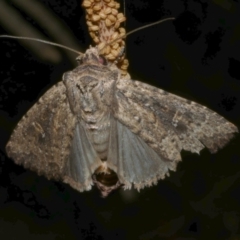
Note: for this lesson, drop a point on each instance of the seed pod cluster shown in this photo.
(104, 24)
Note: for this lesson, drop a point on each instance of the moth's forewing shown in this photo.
(169, 123)
(48, 140)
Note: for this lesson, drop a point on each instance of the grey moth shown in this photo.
(95, 127)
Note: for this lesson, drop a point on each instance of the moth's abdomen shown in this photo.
(99, 136)
(106, 180)
(100, 139)
(107, 177)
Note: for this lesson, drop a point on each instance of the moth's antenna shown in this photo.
(124, 48)
(148, 25)
(137, 29)
(42, 41)
(124, 8)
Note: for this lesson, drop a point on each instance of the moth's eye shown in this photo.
(79, 60)
(102, 60)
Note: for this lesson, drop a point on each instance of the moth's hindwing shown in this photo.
(83, 161)
(133, 160)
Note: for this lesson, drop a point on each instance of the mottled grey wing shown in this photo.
(45, 140)
(166, 124)
(83, 161)
(132, 159)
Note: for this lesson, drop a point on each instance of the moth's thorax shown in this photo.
(89, 90)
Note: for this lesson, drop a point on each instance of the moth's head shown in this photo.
(92, 56)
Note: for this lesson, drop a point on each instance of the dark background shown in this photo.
(196, 57)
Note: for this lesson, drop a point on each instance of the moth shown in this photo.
(95, 127)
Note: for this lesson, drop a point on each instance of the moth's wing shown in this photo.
(132, 159)
(83, 161)
(167, 124)
(45, 141)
